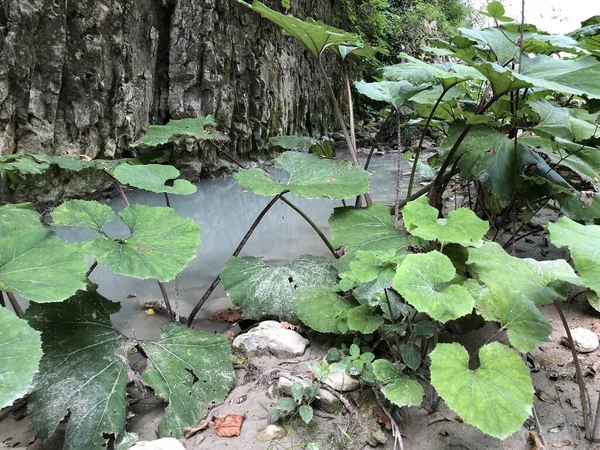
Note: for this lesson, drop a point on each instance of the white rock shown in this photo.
(285, 385)
(159, 444)
(342, 382)
(328, 402)
(271, 433)
(585, 340)
(271, 337)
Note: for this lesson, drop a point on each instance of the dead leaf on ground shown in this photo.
(132, 295)
(191, 431)
(289, 326)
(534, 440)
(229, 315)
(545, 396)
(382, 418)
(561, 444)
(229, 426)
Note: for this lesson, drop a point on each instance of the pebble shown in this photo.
(270, 337)
(271, 433)
(328, 402)
(585, 340)
(342, 382)
(159, 444)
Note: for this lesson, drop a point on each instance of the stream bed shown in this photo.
(224, 211)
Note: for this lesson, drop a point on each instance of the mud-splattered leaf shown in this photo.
(364, 319)
(310, 176)
(369, 228)
(263, 290)
(496, 398)
(540, 281)
(83, 214)
(154, 178)
(321, 309)
(190, 369)
(197, 128)
(424, 282)
(527, 327)
(20, 353)
(404, 392)
(461, 227)
(583, 242)
(36, 264)
(396, 93)
(160, 244)
(16, 217)
(306, 413)
(83, 371)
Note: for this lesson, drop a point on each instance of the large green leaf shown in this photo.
(527, 327)
(36, 264)
(570, 76)
(16, 217)
(563, 122)
(321, 309)
(364, 319)
(175, 129)
(424, 282)
(84, 214)
(189, 369)
(20, 353)
(316, 36)
(502, 43)
(398, 389)
(160, 243)
(369, 228)
(539, 281)
(461, 227)
(396, 93)
(83, 373)
(496, 398)
(310, 177)
(263, 290)
(153, 178)
(583, 242)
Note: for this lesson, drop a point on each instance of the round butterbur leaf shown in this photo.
(154, 178)
(496, 398)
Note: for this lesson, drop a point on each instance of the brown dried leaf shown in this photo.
(533, 439)
(289, 326)
(191, 431)
(229, 315)
(229, 426)
(545, 396)
(561, 444)
(382, 418)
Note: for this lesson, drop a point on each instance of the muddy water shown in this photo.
(224, 212)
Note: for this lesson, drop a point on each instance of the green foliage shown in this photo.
(396, 93)
(583, 242)
(198, 128)
(496, 397)
(316, 146)
(303, 394)
(310, 177)
(398, 389)
(263, 290)
(190, 370)
(80, 346)
(160, 243)
(461, 227)
(322, 309)
(20, 352)
(153, 178)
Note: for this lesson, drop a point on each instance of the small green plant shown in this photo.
(304, 393)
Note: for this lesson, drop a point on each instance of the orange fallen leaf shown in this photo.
(191, 431)
(288, 326)
(561, 444)
(228, 426)
(382, 418)
(229, 315)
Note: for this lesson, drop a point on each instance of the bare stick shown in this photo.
(579, 376)
(350, 102)
(119, 187)
(237, 251)
(167, 201)
(91, 269)
(395, 428)
(595, 431)
(368, 161)
(15, 305)
(165, 296)
(312, 224)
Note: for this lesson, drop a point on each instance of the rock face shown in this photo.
(89, 76)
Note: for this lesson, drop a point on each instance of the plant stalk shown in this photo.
(165, 296)
(421, 141)
(398, 172)
(15, 305)
(2, 301)
(237, 251)
(582, 390)
(119, 187)
(312, 224)
(350, 102)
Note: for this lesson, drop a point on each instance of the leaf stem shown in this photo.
(582, 390)
(91, 269)
(237, 251)
(15, 305)
(119, 187)
(421, 141)
(312, 224)
(167, 200)
(165, 296)
(2, 301)
(399, 173)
